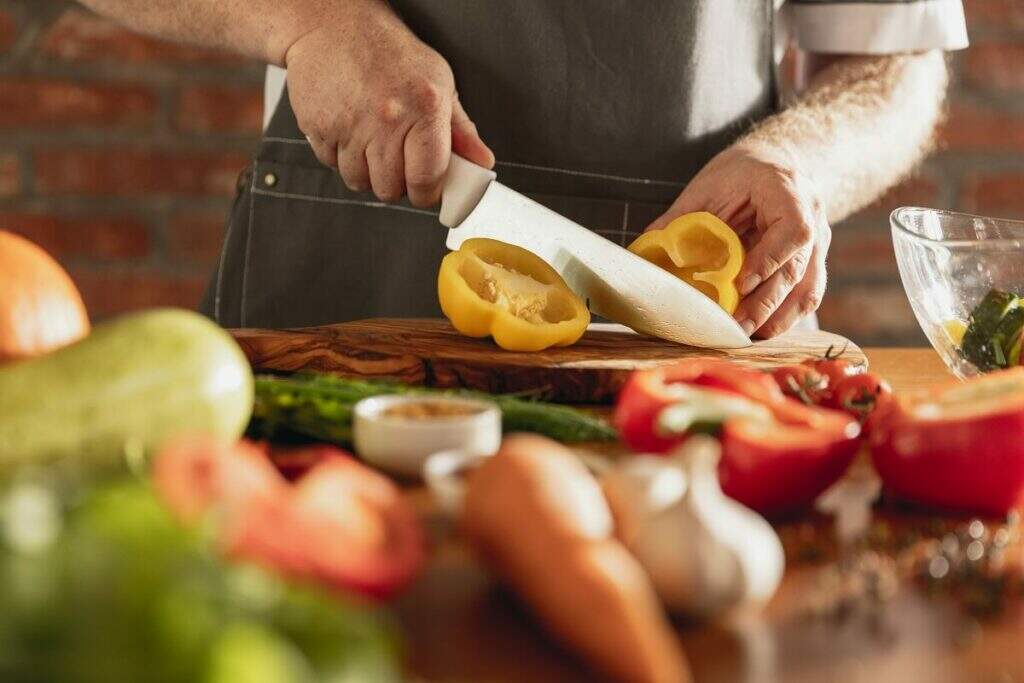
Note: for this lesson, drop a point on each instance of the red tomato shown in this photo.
(341, 524)
(802, 382)
(295, 462)
(196, 473)
(344, 525)
(859, 395)
(959, 448)
(833, 367)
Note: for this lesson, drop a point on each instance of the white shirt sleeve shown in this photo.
(874, 27)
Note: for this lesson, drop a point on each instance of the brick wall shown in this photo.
(119, 154)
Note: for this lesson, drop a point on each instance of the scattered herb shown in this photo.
(972, 563)
(859, 583)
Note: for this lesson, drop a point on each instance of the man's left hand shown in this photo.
(775, 209)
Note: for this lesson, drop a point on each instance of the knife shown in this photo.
(616, 283)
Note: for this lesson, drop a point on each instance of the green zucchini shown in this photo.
(993, 330)
(127, 387)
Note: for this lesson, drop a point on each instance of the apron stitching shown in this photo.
(532, 167)
(220, 272)
(588, 174)
(248, 244)
(625, 220)
(288, 141)
(332, 200)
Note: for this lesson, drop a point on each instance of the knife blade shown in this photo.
(616, 283)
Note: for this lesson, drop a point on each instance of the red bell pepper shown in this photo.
(961, 447)
(648, 392)
(775, 467)
(777, 453)
(344, 525)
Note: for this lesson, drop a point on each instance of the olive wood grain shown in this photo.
(431, 352)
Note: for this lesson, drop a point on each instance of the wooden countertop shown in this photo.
(460, 627)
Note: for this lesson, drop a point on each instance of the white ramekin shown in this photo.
(401, 444)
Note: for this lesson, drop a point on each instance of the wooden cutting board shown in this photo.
(431, 352)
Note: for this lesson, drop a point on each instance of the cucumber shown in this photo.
(1006, 337)
(125, 389)
(993, 330)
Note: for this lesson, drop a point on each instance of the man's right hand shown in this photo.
(380, 105)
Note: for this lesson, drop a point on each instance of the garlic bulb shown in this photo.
(639, 488)
(705, 553)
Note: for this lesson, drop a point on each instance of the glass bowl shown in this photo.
(948, 262)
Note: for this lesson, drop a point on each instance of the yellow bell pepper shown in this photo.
(955, 330)
(490, 288)
(700, 250)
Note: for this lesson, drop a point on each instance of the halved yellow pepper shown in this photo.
(700, 250)
(490, 288)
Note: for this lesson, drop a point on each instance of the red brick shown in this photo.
(108, 292)
(995, 65)
(74, 237)
(995, 13)
(994, 194)
(914, 191)
(196, 238)
(32, 102)
(974, 129)
(10, 175)
(212, 109)
(132, 172)
(870, 314)
(8, 31)
(859, 252)
(81, 36)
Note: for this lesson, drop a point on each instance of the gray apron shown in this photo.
(600, 109)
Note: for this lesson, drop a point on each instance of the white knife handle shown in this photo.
(463, 187)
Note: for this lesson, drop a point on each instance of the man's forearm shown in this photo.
(262, 29)
(861, 126)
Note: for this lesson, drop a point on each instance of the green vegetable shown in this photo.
(320, 406)
(123, 593)
(992, 339)
(125, 388)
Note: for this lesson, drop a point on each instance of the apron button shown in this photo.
(270, 180)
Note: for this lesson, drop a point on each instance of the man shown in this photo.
(618, 114)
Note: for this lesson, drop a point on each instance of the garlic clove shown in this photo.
(692, 573)
(639, 488)
(704, 552)
(734, 527)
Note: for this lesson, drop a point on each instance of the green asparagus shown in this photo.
(320, 406)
